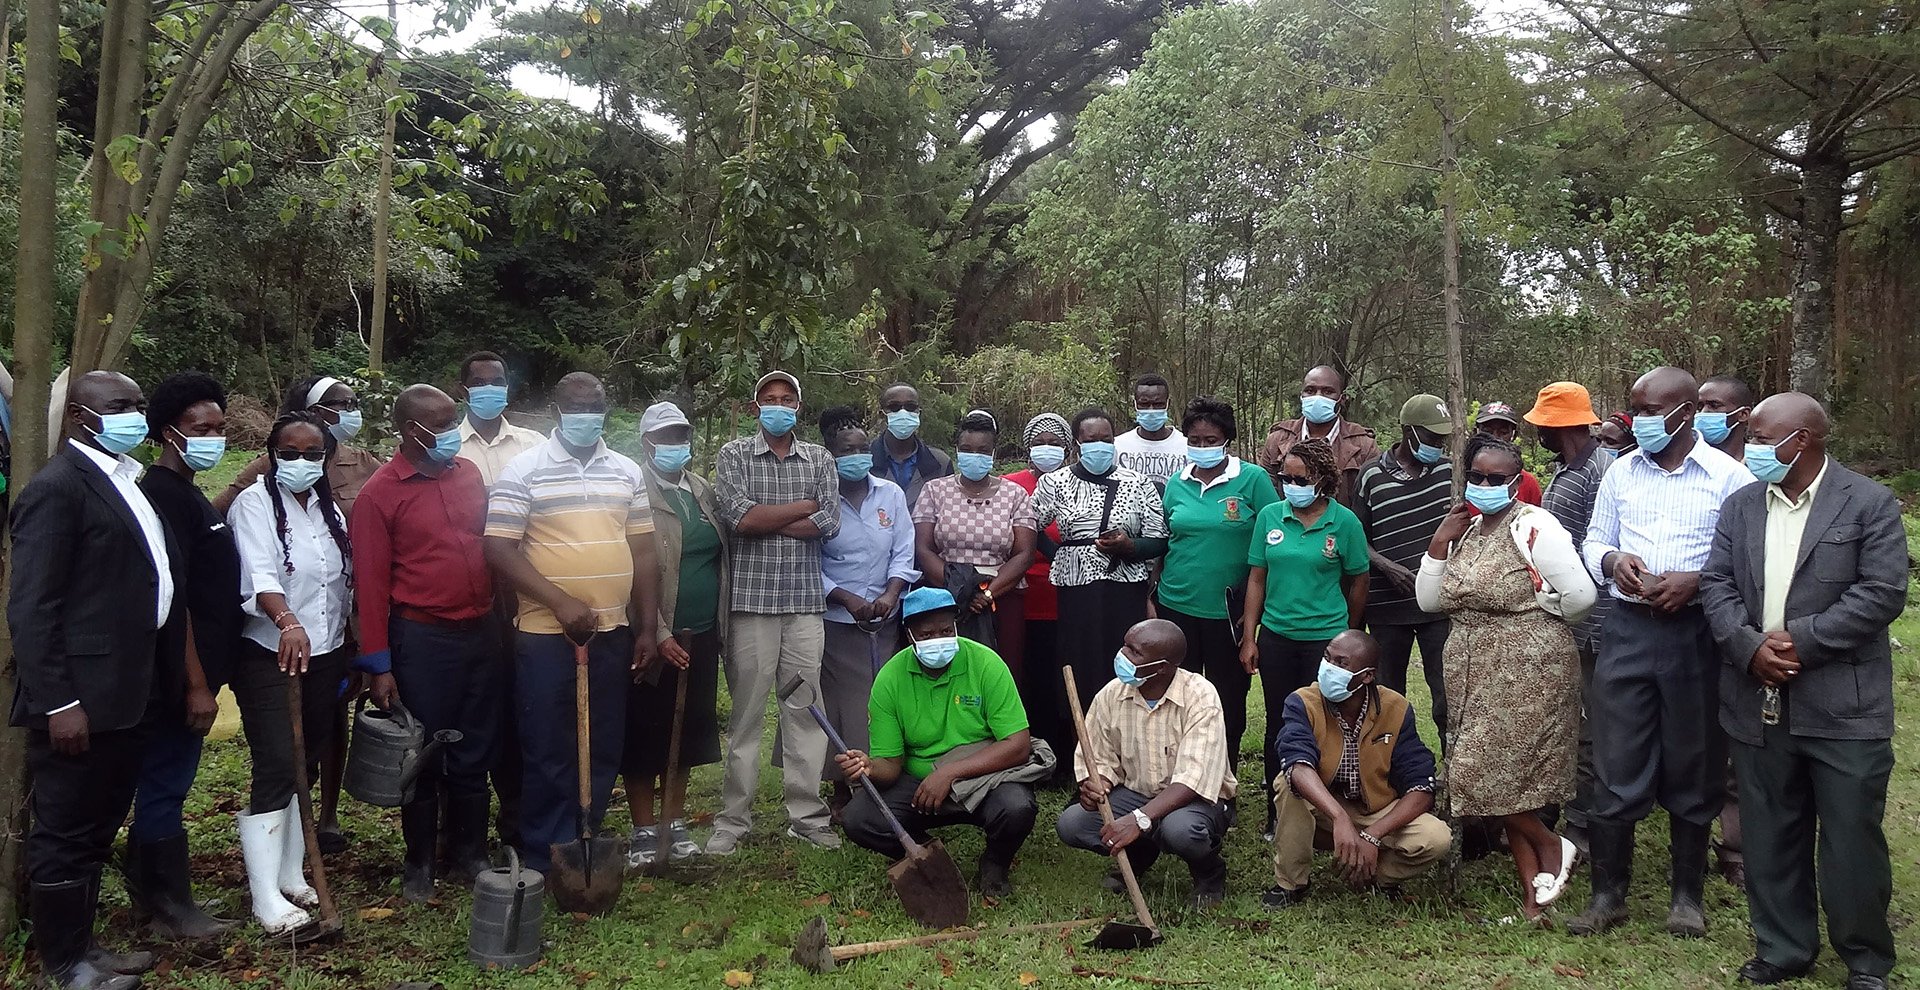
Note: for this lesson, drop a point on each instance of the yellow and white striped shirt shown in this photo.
(573, 518)
(1181, 740)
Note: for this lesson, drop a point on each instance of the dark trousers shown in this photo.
(78, 802)
(169, 759)
(1211, 653)
(506, 771)
(1792, 789)
(1010, 630)
(1043, 693)
(544, 687)
(1396, 657)
(1193, 832)
(448, 676)
(1580, 809)
(1655, 709)
(1286, 666)
(1094, 618)
(1006, 816)
(267, 718)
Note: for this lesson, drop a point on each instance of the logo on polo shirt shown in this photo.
(1232, 505)
(1332, 550)
(1274, 536)
(967, 700)
(885, 521)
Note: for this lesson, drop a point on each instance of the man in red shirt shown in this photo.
(427, 629)
(1498, 420)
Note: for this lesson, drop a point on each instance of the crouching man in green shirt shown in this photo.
(949, 744)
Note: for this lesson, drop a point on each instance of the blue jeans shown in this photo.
(544, 684)
(169, 757)
(449, 679)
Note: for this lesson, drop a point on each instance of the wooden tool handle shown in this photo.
(329, 913)
(873, 790)
(670, 800)
(1106, 809)
(584, 732)
(842, 953)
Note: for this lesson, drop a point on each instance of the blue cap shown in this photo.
(926, 600)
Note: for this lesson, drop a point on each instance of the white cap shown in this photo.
(777, 376)
(661, 415)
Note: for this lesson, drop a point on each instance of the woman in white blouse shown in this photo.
(296, 588)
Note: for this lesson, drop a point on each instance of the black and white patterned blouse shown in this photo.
(1068, 498)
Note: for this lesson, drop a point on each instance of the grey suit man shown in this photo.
(1807, 571)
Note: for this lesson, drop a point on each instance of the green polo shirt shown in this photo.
(920, 717)
(1208, 529)
(1305, 598)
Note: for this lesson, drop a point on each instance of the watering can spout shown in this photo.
(428, 753)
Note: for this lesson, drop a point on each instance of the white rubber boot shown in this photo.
(263, 844)
(293, 862)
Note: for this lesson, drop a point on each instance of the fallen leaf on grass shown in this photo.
(375, 914)
(1573, 971)
(738, 978)
(821, 901)
(660, 964)
(946, 964)
(862, 914)
(1029, 979)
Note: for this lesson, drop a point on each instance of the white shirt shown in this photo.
(1157, 459)
(1666, 518)
(124, 472)
(316, 591)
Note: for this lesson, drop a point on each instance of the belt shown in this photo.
(426, 618)
(1686, 611)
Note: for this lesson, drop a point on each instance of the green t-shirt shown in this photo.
(696, 605)
(920, 717)
(1305, 597)
(1208, 530)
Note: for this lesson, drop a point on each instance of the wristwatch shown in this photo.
(1370, 840)
(1140, 818)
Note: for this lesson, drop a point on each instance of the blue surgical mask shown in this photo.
(1300, 496)
(201, 453)
(1097, 456)
(446, 446)
(1206, 457)
(120, 432)
(1652, 434)
(486, 402)
(778, 420)
(853, 467)
(298, 475)
(938, 652)
(671, 458)
(1129, 674)
(1336, 683)
(1151, 420)
(1764, 461)
(903, 423)
(973, 466)
(1489, 499)
(1427, 453)
(348, 427)
(1046, 457)
(1713, 426)
(582, 429)
(1318, 408)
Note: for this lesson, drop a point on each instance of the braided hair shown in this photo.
(1317, 455)
(978, 421)
(329, 509)
(1481, 443)
(836, 420)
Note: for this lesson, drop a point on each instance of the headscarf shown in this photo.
(1048, 422)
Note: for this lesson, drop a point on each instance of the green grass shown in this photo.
(740, 914)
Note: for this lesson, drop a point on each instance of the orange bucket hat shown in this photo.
(1563, 404)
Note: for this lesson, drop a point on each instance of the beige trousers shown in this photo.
(764, 651)
(1403, 855)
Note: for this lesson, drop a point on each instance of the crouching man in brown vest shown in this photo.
(1353, 770)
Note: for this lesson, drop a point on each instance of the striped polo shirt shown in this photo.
(572, 519)
(1400, 512)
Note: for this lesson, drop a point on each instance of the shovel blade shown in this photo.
(587, 873)
(1124, 936)
(930, 888)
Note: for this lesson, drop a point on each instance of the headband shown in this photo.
(319, 391)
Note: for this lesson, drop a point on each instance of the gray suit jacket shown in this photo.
(1849, 584)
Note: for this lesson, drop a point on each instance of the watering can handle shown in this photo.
(873, 790)
(511, 945)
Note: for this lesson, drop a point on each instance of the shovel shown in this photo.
(329, 923)
(586, 872)
(670, 805)
(926, 881)
(1117, 934)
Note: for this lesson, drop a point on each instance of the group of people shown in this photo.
(1692, 613)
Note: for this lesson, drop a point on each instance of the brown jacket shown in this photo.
(667, 536)
(1354, 448)
(347, 473)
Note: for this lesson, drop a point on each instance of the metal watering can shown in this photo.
(388, 751)
(508, 905)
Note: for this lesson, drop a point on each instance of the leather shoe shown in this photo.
(1762, 973)
(1866, 981)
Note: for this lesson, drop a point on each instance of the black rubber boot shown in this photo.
(1687, 918)
(991, 878)
(1209, 880)
(131, 963)
(419, 827)
(63, 932)
(158, 881)
(467, 845)
(1612, 874)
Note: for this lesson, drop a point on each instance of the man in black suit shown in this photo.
(1808, 569)
(94, 574)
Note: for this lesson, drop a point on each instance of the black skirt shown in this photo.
(650, 714)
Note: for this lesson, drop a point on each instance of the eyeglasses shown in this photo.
(900, 407)
(1294, 479)
(339, 405)
(1496, 480)
(301, 455)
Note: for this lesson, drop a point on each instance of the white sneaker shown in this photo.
(683, 846)
(722, 844)
(643, 846)
(825, 838)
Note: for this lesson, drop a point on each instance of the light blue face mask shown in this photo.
(1651, 433)
(1427, 453)
(1764, 460)
(446, 446)
(120, 432)
(298, 475)
(1319, 408)
(903, 423)
(1206, 457)
(1129, 674)
(1300, 496)
(1097, 456)
(671, 458)
(486, 402)
(582, 429)
(201, 453)
(348, 427)
(1150, 420)
(1489, 499)
(853, 467)
(936, 653)
(1336, 683)
(1713, 426)
(1046, 457)
(778, 420)
(973, 466)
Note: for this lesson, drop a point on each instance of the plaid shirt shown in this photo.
(1346, 780)
(775, 574)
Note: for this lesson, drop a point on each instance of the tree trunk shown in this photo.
(1822, 191)
(1450, 254)
(122, 94)
(383, 204)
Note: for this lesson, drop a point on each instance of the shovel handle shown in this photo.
(583, 762)
(873, 790)
(316, 864)
(670, 802)
(1106, 808)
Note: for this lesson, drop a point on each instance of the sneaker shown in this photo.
(643, 846)
(990, 878)
(824, 838)
(1277, 897)
(683, 846)
(722, 844)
